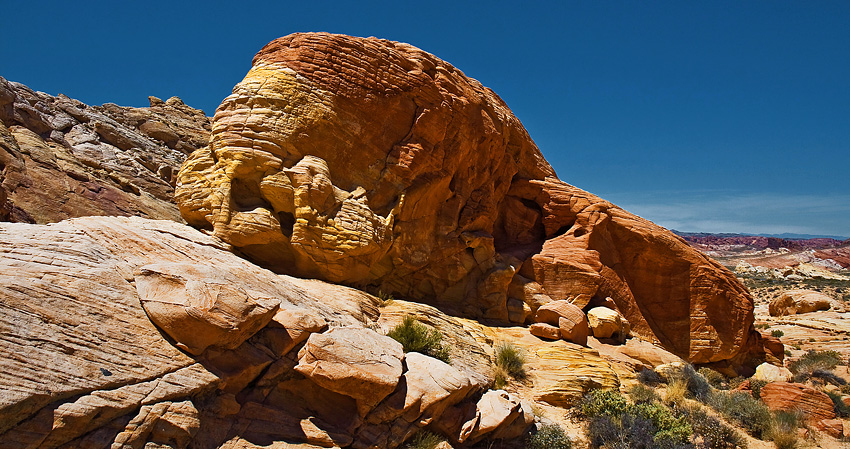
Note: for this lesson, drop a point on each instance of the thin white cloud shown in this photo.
(725, 211)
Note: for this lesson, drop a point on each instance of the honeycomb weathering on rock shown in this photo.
(375, 164)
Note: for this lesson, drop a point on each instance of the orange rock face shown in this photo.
(815, 405)
(375, 164)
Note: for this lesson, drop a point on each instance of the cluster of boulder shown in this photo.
(563, 319)
(797, 301)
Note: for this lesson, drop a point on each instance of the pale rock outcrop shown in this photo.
(355, 362)
(799, 301)
(497, 414)
(772, 373)
(200, 306)
(566, 316)
(85, 366)
(421, 183)
(607, 323)
(60, 158)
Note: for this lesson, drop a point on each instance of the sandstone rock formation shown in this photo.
(567, 318)
(607, 323)
(772, 373)
(88, 362)
(60, 158)
(374, 164)
(815, 406)
(799, 301)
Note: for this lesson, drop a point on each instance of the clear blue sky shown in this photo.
(702, 116)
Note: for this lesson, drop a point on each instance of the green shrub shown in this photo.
(423, 440)
(510, 362)
(756, 386)
(813, 361)
(641, 393)
(841, 409)
(512, 359)
(783, 433)
(550, 436)
(697, 385)
(777, 333)
(742, 409)
(614, 422)
(714, 378)
(648, 376)
(712, 432)
(417, 337)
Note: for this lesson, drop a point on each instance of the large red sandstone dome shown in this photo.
(375, 164)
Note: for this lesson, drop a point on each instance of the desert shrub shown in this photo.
(697, 385)
(510, 362)
(512, 359)
(615, 423)
(549, 436)
(417, 337)
(385, 298)
(841, 409)
(742, 409)
(423, 440)
(649, 376)
(783, 433)
(756, 386)
(641, 393)
(604, 403)
(714, 378)
(813, 360)
(845, 389)
(735, 382)
(712, 432)
(676, 392)
(827, 377)
(777, 333)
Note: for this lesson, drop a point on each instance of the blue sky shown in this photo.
(722, 116)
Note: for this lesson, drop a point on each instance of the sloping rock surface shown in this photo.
(268, 362)
(60, 158)
(375, 164)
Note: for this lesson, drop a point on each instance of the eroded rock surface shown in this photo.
(375, 164)
(60, 158)
(269, 361)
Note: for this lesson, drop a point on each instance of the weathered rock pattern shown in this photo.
(566, 317)
(793, 302)
(607, 323)
(87, 362)
(374, 164)
(815, 405)
(60, 158)
(772, 373)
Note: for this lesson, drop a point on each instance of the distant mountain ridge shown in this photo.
(785, 236)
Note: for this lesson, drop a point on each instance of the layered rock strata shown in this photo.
(60, 158)
(94, 313)
(375, 164)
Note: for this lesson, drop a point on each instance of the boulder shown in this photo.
(355, 362)
(772, 373)
(423, 184)
(569, 319)
(607, 323)
(815, 405)
(200, 306)
(831, 427)
(544, 330)
(792, 302)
